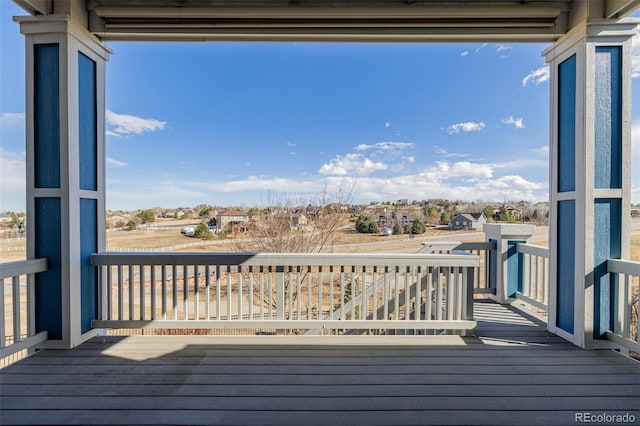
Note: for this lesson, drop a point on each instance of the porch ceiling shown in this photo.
(346, 20)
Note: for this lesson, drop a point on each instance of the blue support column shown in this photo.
(589, 175)
(65, 172)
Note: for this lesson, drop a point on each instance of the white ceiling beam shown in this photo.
(36, 7)
(620, 8)
(320, 12)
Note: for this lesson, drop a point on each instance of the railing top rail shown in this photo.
(22, 267)
(628, 267)
(532, 249)
(431, 246)
(285, 259)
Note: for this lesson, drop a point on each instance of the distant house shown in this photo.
(468, 221)
(231, 218)
(383, 220)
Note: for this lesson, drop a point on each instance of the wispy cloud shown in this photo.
(537, 76)
(465, 53)
(125, 124)
(385, 146)
(387, 124)
(502, 48)
(446, 154)
(116, 164)
(290, 144)
(12, 119)
(351, 164)
(467, 126)
(518, 123)
(482, 46)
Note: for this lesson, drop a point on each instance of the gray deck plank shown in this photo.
(513, 372)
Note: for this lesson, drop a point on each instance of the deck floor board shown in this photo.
(512, 371)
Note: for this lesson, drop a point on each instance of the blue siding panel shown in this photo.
(88, 277)
(608, 118)
(47, 115)
(567, 125)
(515, 263)
(87, 123)
(566, 265)
(492, 265)
(48, 284)
(607, 244)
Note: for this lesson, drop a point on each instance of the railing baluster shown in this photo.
(396, 295)
(418, 295)
(109, 292)
(331, 278)
(309, 294)
(262, 292)
(218, 291)
(240, 293)
(289, 287)
(153, 292)
(364, 299)
(429, 293)
(142, 292)
(385, 291)
(163, 271)
(196, 291)
(320, 282)
(17, 329)
(250, 272)
(298, 292)
(207, 290)
(185, 292)
(229, 291)
(120, 293)
(174, 290)
(131, 292)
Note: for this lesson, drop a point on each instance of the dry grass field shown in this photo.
(13, 250)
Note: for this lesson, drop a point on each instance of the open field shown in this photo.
(14, 250)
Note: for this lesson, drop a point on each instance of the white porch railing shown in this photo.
(625, 331)
(17, 310)
(480, 249)
(286, 291)
(535, 274)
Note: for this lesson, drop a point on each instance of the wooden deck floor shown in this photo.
(513, 372)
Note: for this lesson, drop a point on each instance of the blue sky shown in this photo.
(249, 123)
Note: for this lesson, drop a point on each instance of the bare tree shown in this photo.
(297, 227)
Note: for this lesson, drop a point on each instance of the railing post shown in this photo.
(506, 266)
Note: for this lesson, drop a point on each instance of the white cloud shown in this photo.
(12, 119)
(544, 150)
(125, 124)
(446, 154)
(13, 184)
(351, 164)
(385, 146)
(517, 122)
(482, 46)
(635, 141)
(537, 76)
(387, 124)
(465, 53)
(116, 164)
(291, 144)
(635, 55)
(502, 48)
(468, 126)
